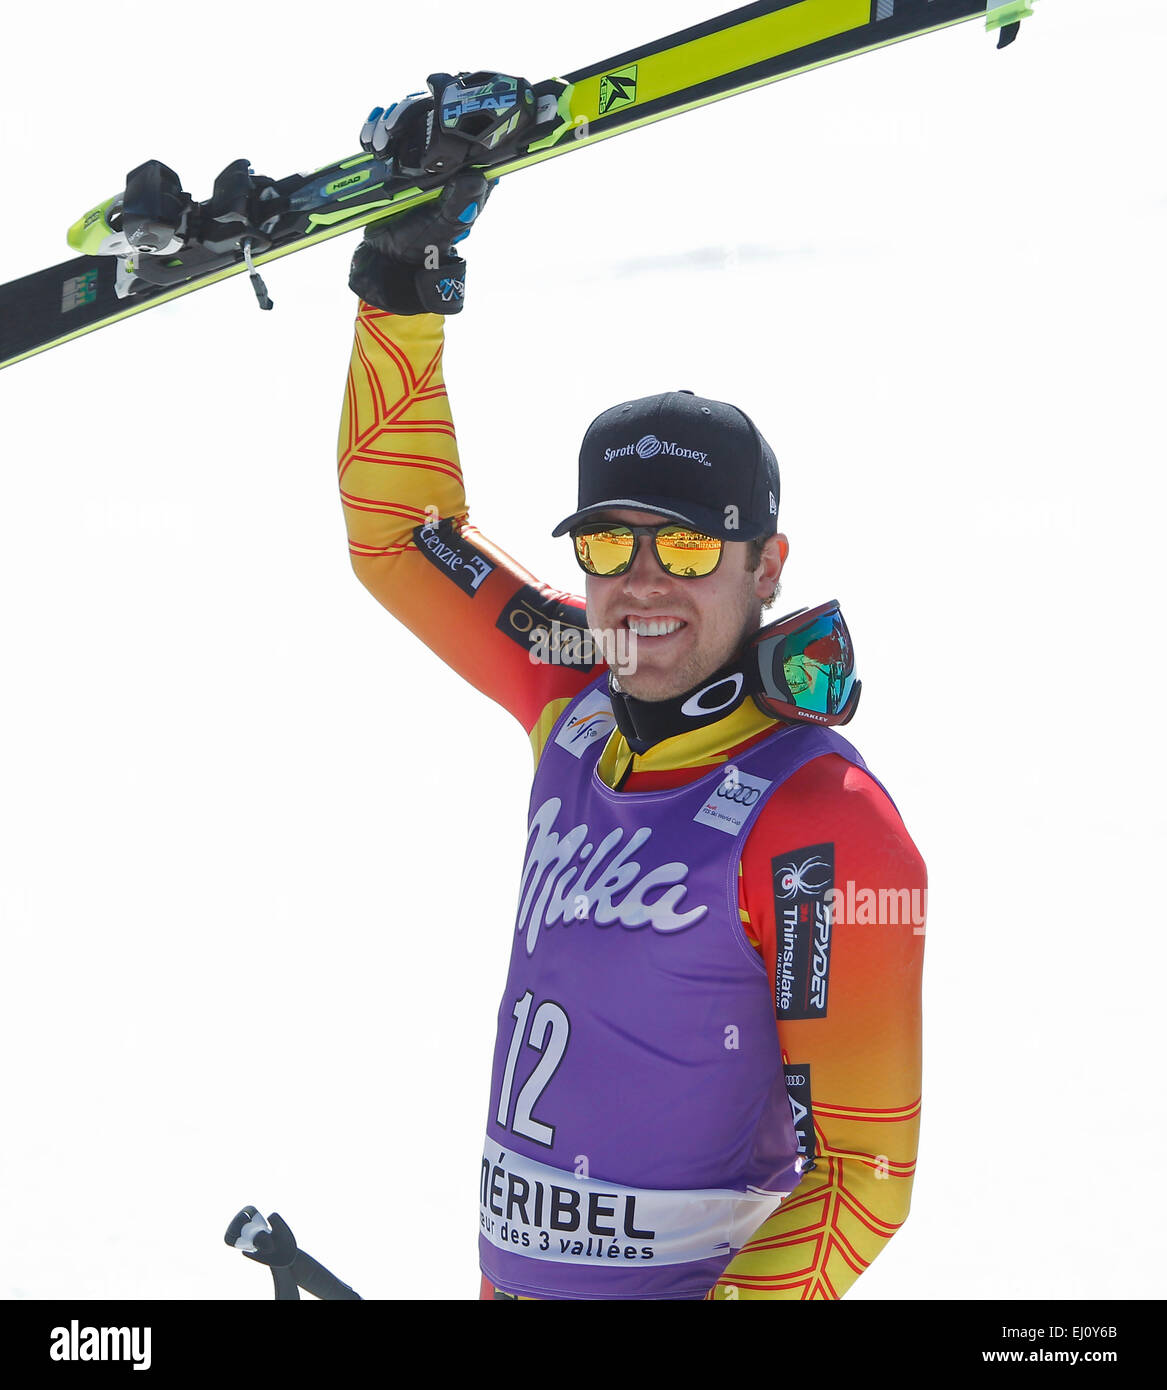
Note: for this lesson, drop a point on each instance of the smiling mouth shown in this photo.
(654, 627)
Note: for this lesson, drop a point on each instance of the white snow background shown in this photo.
(258, 849)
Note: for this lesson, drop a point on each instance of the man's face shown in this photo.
(686, 628)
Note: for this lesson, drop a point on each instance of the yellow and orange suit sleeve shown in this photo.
(410, 538)
(853, 1066)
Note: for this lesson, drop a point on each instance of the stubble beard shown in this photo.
(693, 669)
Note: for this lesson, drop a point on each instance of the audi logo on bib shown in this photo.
(729, 805)
(739, 792)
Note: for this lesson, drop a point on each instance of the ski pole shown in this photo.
(270, 1241)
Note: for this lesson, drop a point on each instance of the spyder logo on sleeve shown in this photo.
(803, 881)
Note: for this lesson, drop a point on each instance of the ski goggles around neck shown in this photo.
(609, 548)
(806, 667)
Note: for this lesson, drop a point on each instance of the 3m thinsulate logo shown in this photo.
(804, 881)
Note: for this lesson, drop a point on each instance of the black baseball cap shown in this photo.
(692, 460)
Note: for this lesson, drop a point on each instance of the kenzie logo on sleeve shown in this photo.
(442, 545)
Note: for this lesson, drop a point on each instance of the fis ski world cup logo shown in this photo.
(803, 895)
(591, 720)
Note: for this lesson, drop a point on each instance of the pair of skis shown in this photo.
(152, 242)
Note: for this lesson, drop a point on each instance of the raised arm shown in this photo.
(401, 479)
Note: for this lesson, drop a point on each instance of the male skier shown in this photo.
(706, 1078)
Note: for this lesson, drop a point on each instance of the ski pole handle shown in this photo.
(313, 1278)
(270, 1241)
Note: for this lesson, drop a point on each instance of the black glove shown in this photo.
(408, 265)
